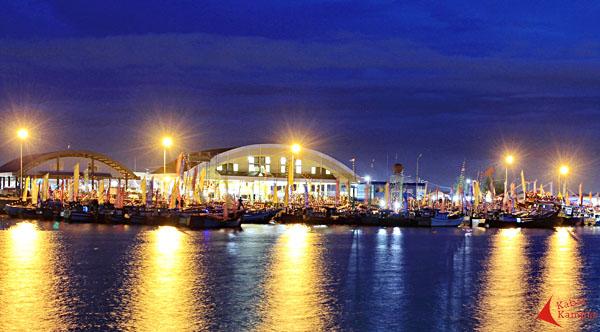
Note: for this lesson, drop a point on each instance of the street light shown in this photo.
(562, 171)
(295, 148)
(509, 160)
(22, 133)
(167, 142)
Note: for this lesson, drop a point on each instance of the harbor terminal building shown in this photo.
(258, 172)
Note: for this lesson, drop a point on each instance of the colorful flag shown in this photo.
(100, 193)
(86, 178)
(568, 202)
(523, 185)
(173, 200)
(202, 174)
(150, 192)
(387, 195)
(25, 190)
(34, 191)
(194, 178)
(143, 189)
(535, 188)
(542, 189)
(489, 172)
(45, 187)
(580, 194)
(180, 169)
(275, 198)
(75, 182)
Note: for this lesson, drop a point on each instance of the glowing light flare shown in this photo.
(23, 133)
(509, 159)
(564, 170)
(368, 178)
(167, 142)
(296, 148)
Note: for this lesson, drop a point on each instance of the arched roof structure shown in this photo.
(32, 161)
(338, 169)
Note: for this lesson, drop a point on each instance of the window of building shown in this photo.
(220, 168)
(251, 168)
(327, 172)
(282, 168)
(267, 160)
(268, 168)
(251, 159)
(235, 167)
(283, 160)
(313, 170)
(298, 169)
(298, 162)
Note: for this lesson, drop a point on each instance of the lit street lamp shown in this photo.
(166, 142)
(22, 133)
(295, 150)
(563, 172)
(509, 160)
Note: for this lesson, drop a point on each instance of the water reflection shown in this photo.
(561, 279)
(30, 296)
(505, 284)
(295, 296)
(160, 290)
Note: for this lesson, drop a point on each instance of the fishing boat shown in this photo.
(570, 216)
(545, 219)
(447, 219)
(260, 216)
(215, 221)
(21, 211)
(78, 216)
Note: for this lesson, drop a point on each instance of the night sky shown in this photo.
(379, 80)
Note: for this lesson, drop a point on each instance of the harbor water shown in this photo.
(56, 276)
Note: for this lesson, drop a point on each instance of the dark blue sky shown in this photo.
(371, 79)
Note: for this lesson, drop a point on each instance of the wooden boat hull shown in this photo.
(446, 222)
(204, 221)
(546, 221)
(21, 212)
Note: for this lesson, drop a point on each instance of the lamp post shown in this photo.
(562, 171)
(509, 160)
(418, 157)
(22, 133)
(295, 150)
(166, 142)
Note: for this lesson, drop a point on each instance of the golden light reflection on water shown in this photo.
(161, 294)
(505, 285)
(295, 296)
(561, 279)
(29, 296)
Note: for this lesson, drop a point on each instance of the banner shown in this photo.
(25, 190)
(150, 192)
(45, 187)
(75, 182)
(524, 185)
(143, 189)
(34, 191)
(100, 193)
